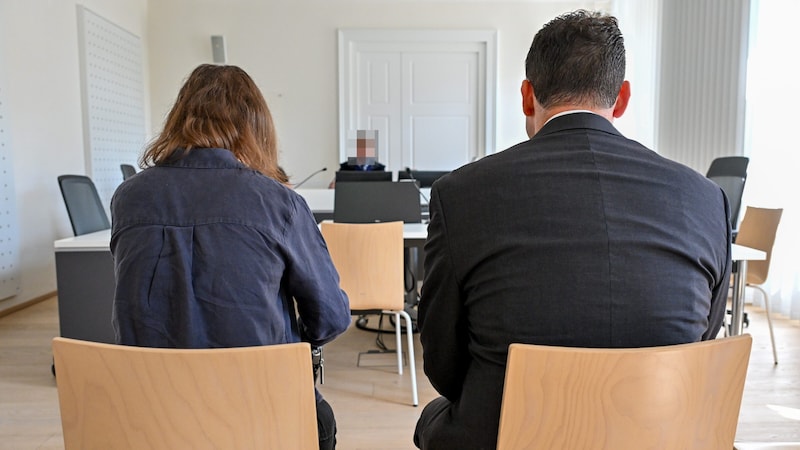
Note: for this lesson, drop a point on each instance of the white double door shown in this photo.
(426, 99)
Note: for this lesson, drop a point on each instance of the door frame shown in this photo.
(350, 39)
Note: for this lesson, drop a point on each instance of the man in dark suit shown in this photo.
(577, 237)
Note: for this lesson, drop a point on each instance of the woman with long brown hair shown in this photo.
(211, 248)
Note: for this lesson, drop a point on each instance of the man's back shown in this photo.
(578, 237)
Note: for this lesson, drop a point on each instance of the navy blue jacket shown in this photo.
(209, 253)
(578, 237)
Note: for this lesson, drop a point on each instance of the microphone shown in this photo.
(414, 180)
(309, 177)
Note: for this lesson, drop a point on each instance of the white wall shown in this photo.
(289, 48)
(39, 48)
(640, 23)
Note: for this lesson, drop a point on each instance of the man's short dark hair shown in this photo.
(578, 58)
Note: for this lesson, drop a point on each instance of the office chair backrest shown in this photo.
(369, 259)
(127, 171)
(84, 208)
(379, 201)
(114, 396)
(730, 173)
(674, 397)
(758, 229)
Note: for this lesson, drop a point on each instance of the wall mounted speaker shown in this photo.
(218, 49)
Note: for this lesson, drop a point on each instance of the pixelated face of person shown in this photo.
(366, 145)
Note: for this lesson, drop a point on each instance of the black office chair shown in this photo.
(730, 173)
(85, 210)
(424, 177)
(127, 171)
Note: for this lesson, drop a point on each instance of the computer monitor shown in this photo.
(381, 201)
(424, 177)
(363, 175)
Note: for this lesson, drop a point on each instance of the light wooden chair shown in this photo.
(123, 397)
(369, 259)
(757, 230)
(674, 397)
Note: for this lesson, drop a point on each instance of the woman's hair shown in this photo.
(219, 107)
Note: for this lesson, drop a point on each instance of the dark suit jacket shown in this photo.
(578, 237)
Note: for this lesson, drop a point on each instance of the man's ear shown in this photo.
(528, 98)
(622, 99)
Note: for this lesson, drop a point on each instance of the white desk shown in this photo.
(92, 242)
(414, 234)
(85, 282)
(740, 255)
(100, 240)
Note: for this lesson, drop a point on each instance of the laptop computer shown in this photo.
(376, 201)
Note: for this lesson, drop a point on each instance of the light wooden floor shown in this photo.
(372, 404)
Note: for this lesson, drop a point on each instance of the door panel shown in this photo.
(440, 111)
(440, 143)
(378, 105)
(426, 93)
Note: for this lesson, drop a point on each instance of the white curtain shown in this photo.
(772, 143)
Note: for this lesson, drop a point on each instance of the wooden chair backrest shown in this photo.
(757, 230)
(674, 397)
(124, 397)
(369, 259)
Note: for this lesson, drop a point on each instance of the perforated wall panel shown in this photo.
(113, 99)
(9, 235)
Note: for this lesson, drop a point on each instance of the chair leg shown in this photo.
(769, 321)
(398, 342)
(726, 327)
(411, 362)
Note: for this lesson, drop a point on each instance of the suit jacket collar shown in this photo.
(580, 120)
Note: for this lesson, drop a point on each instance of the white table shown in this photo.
(85, 280)
(92, 242)
(100, 240)
(740, 255)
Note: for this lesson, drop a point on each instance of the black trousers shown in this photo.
(430, 414)
(326, 426)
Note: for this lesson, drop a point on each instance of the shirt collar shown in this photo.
(570, 111)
